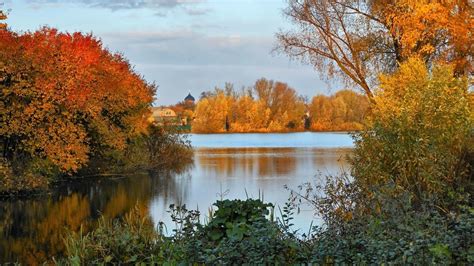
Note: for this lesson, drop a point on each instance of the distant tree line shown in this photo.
(345, 110)
(273, 106)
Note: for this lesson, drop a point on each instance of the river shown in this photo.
(225, 166)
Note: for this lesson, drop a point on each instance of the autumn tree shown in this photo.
(286, 107)
(65, 98)
(211, 113)
(345, 110)
(356, 40)
(3, 16)
(250, 115)
(268, 106)
(271, 106)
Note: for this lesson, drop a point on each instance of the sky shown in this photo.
(181, 45)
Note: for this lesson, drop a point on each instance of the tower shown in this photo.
(189, 100)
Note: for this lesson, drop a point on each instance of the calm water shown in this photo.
(229, 166)
(279, 140)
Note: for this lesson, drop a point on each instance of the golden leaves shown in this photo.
(345, 110)
(276, 107)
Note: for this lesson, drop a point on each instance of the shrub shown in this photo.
(132, 240)
(408, 200)
(405, 237)
(34, 176)
(418, 130)
(159, 149)
(237, 233)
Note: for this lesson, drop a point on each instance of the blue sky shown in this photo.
(182, 45)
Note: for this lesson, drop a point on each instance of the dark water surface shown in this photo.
(229, 166)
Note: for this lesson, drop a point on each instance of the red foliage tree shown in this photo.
(64, 96)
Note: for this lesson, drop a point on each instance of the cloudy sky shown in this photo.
(182, 45)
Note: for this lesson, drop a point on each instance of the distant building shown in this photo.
(163, 116)
(189, 100)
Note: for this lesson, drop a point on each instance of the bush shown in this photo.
(405, 237)
(237, 233)
(159, 149)
(33, 176)
(131, 240)
(418, 131)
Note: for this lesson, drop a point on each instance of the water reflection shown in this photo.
(32, 230)
(246, 162)
(267, 162)
(238, 172)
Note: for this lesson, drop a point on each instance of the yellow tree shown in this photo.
(419, 126)
(244, 114)
(345, 110)
(355, 40)
(286, 108)
(211, 113)
(320, 111)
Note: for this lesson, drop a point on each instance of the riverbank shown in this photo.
(157, 150)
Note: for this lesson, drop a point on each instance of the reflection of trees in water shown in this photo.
(172, 185)
(332, 160)
(30, 239)
(283, 164)
(32, 230)
(246, 162)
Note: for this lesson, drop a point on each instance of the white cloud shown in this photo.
(126, 4)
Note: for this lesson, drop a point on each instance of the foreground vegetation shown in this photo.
(241, 232)
(408, 199)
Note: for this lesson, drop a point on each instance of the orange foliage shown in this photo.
(343, 111)
(357, 40)
(276, 107)
(3, 16)
(436, 30)
(64, 96)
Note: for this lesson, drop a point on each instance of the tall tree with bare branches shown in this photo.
(358, 39)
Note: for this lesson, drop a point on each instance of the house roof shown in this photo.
(162, 112)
